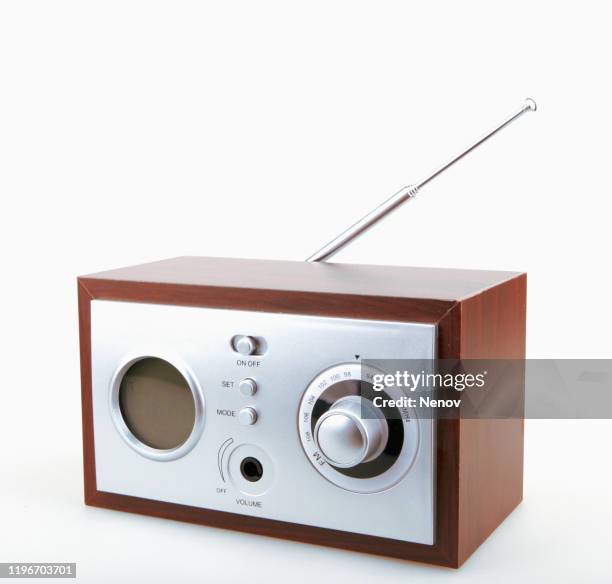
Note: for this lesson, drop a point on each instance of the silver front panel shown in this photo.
(198, 341)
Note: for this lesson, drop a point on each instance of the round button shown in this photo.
(248, 387)
(246, 345)
(247, 416)
(351, 432)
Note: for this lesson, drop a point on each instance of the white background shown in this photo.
(134, 131)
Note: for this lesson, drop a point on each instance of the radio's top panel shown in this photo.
(326, 278)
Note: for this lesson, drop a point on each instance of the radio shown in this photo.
(230, 393)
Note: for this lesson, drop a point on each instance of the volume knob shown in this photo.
(351, 432)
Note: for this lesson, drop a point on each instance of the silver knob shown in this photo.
(247, 416)
(248, 387)
(246, 345)
(351, 432)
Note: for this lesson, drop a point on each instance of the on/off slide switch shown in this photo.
(245, 345)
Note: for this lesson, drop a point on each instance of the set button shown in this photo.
(248, 387)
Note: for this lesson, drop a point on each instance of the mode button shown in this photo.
(247, 416)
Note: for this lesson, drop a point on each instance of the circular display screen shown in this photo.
(157, 404)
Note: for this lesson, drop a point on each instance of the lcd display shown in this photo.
(157, 404)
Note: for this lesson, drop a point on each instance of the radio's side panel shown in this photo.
(89, 465)
(491, 450)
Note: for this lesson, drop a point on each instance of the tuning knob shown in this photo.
(351, 432)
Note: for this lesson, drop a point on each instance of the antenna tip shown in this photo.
(530, 104)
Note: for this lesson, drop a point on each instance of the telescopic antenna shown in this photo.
(409, 192)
